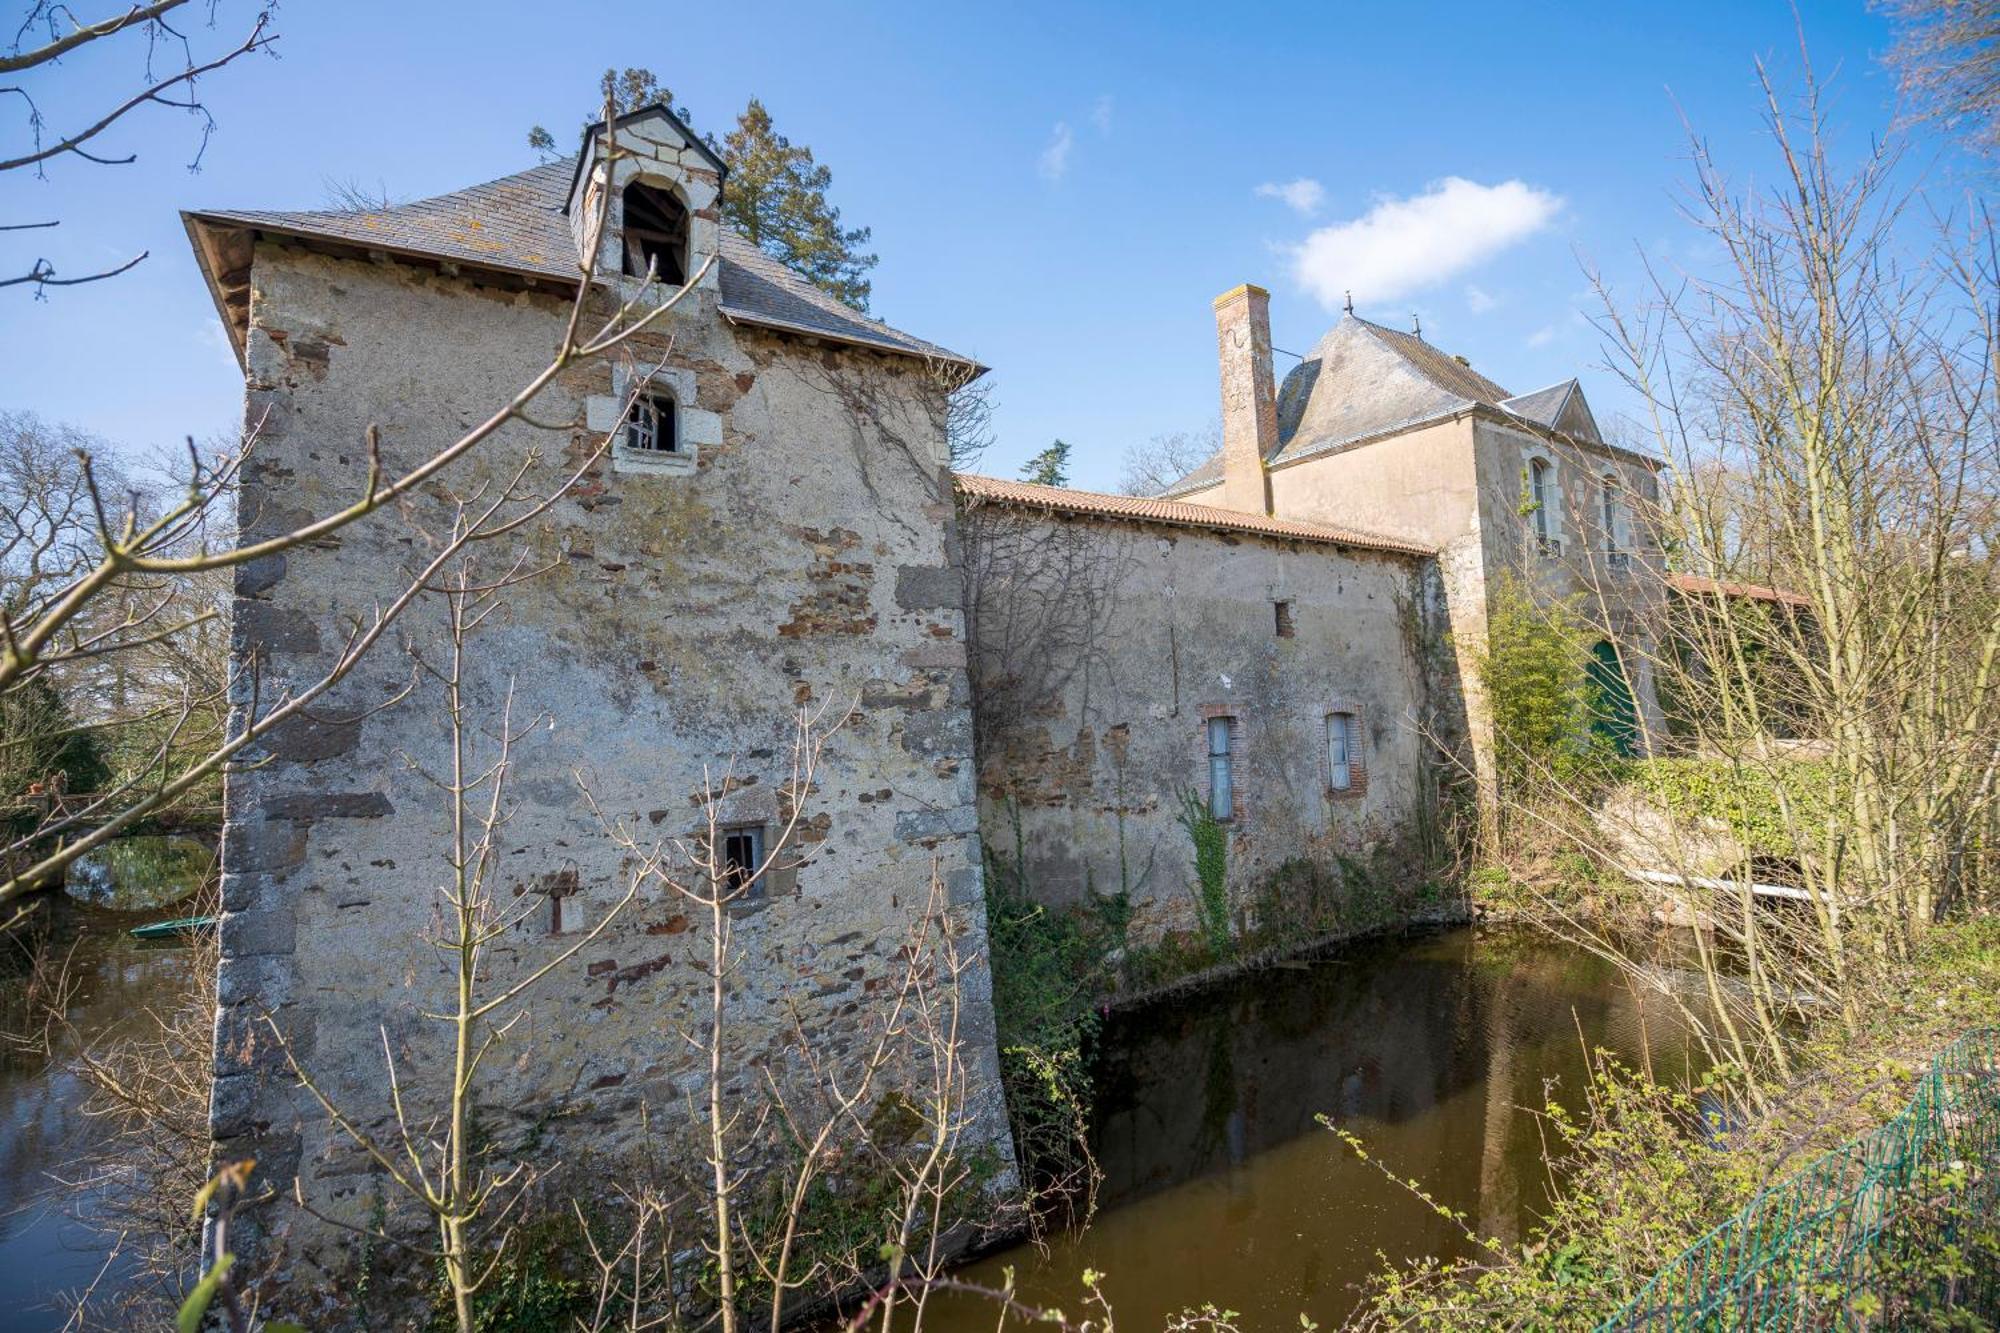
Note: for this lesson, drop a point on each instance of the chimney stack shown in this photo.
(1249, 397)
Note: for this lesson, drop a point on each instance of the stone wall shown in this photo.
(681, 623)
(1101, 647)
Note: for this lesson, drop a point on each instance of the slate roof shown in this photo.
(1542, 405)
(515, 225)
(1364, 381)
(1173, 513)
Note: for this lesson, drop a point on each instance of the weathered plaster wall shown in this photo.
(1100, 647)
(684, 620)
(1623, 596)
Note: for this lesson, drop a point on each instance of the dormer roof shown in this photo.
(655, 110)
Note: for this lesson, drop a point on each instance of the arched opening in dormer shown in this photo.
(656, 233)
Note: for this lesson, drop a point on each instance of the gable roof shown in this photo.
(514, 226)
(1364, 381)
(660, 109)
(1172, 513)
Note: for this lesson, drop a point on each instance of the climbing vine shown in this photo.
(1211, 870)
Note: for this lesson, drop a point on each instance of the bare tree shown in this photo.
(435, 1159)
(123, 589)
(49, 31)
(1163, 460)
(1827, 398)
(1947, 63)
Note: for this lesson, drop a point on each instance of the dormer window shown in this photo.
(653, 426)
(656, 234)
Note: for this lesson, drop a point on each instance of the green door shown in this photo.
(1613, 715)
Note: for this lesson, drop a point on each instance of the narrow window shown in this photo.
(653, 427)
(1285, 630)
(1538, 496)
(1221, 778)
(656, 234)
(1613, 556)
(742, 854)
(1343, 749)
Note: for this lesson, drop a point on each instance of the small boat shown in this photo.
(164, 930)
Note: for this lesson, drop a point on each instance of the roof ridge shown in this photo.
(1176, 513)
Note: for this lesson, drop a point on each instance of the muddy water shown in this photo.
(45, 1247)
(1220, 1186)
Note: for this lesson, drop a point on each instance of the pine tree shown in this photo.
(1050, 467)
(775, 194)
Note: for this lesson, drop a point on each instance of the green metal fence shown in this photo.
(1879, 1233)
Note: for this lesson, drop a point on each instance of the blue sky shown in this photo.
(1057, 189)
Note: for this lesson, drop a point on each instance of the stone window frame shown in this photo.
(607, 414)
(654, 181)
(1545, 520)
(1341, 705)
(1238, 807)
(780, 878)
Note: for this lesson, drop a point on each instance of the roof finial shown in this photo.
(1418, 321)
(1350, 302)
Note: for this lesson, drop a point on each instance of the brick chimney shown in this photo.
(1249, 397)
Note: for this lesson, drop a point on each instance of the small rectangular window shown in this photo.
(652, 428)
(1343, 749)
(1284, 613)
(1221, 778)
(742, 855)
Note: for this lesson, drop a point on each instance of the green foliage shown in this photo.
(1211, 870)
(1746, 798)
(1535, 666)
(1050, 969)
(41, 749)
(1050, 467)
(776, 196)
(530, 1290)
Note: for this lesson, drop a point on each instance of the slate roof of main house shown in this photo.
(1172, 513)
(516, 226)
(1365, 382)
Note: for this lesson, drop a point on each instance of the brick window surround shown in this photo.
(1357, 749)
(1237, 806)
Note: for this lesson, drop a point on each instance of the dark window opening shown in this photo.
(656, 234)
(653, 426)
(742, 857)
(1285, 629)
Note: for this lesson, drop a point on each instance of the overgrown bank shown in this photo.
(1059, 971)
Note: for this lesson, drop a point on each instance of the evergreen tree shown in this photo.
(775, 194)
(1050, 467)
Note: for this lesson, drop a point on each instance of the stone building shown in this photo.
(1043, 675)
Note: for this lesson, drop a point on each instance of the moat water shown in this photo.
(1220, 1184)
(48, 1244)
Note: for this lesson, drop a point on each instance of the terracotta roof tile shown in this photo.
(1756, 592)
(1060, 499)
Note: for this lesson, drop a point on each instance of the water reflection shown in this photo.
(1219, 1184)
(44, 1134)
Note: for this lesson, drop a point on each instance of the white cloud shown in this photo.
(1054, 164)
(1543, 336)
(1100, 114)
(1478, 300)
(1405, 245)
(1302, 196)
